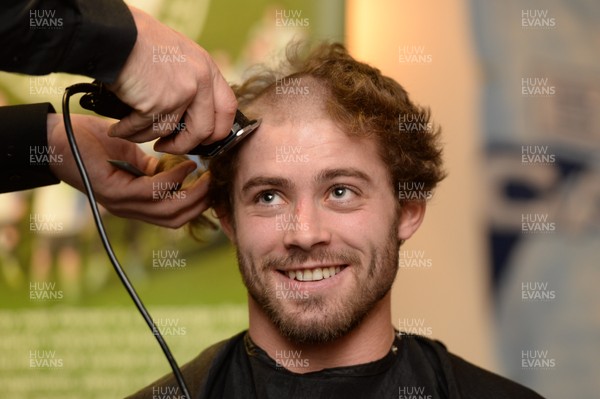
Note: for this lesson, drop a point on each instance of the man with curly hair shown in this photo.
(318, 202)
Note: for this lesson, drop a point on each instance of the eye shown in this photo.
(342, 193)
(268, 198)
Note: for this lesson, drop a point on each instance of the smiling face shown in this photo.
(315, 224)
(309, 199)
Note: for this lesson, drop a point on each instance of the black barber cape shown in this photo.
(415, 368)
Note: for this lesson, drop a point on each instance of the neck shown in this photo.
(369, 341)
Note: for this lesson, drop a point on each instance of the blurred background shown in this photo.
(504, 270)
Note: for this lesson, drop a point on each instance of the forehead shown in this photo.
(298, 140)
(301, 148)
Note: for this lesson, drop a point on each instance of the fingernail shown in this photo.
(111, 131)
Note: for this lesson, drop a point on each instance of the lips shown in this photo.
(313, 274)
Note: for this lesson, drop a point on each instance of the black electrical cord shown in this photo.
(90, 88)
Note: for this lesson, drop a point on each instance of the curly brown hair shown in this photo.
(361, 101)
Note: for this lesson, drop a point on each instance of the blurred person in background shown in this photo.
(57, 230)
(12, 209)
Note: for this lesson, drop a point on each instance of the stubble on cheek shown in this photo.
(323, 317)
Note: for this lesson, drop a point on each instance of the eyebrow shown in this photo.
(330, 174)
(323, 176)
(267, 181)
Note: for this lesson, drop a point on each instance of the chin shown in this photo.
(303, 326)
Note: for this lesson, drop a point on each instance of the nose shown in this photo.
(305, 228)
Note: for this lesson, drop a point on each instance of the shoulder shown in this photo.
(465, 379)
(194, 372)
(476, 382)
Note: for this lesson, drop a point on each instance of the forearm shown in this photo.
(92, 38)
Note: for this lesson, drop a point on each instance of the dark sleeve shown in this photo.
(24, 152)
(86, 37)
(475, 383)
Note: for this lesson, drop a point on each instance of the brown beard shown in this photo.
(324, 326)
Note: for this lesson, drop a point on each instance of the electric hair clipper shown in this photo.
(106, 103)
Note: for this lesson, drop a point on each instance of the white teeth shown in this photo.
(316, 274)
(307, 276)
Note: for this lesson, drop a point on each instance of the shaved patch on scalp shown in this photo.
(306, 101)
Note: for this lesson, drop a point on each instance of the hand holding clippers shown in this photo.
(105, 103)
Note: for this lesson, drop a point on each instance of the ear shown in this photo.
(411, 217)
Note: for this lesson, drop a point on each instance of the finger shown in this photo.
(149, 162)
(171, 212)
(225, 107)
(178, 142)
(170, 220)
(165, 124)
(129, 193)
(160, 216)
(162, 126)
(131, 126)
(199, 124)
(195, 203)
(176, 174)
(198, 189)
